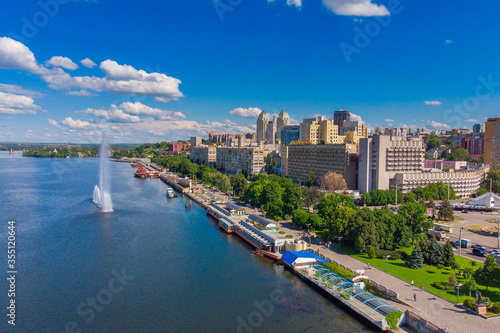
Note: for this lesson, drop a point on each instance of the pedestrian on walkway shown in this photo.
(369, 266)
(421, 287)
(412, 283)
(415, 297)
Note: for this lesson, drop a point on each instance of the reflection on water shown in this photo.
(189, 275)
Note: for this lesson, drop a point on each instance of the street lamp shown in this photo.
(386, 259)
(458, 290)
(460, 243)
(339, 238)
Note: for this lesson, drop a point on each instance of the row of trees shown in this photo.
(431, 253)
(434, 191)
(63, 152)
(362, 228)
(278, 196)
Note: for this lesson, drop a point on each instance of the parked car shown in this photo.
(478, 246)
(479, 252)
(465, 211)
(494, 252)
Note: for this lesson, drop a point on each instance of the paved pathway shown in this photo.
(430, 307)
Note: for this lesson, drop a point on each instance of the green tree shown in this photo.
(452, 281)
(436, 252)
(340, 220)
(414, 215)
(460, 154)
(328, 209)
(446, 211)
(271, 198)
(432, 141)
(311, 179)
(410, 197)
(292, 198)
(300, 217)
(416, 259)
(448, 255)
(359, 245)
(371, 252)
(494, 177)
(238, 183)
(471, 285)
(488, 274)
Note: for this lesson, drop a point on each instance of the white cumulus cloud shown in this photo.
(138, 108)
(15, 55)
(388, 120)
(88, 63)
(438, 125)
(113, 115)
(15, 89)
(80, 93)
(17, 104)
(432, 103)
(356, 8)
(63, 62)
(246, 112)
(75, 123)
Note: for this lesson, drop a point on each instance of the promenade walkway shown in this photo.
(434, 309)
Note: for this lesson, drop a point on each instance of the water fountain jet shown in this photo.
(102, 193)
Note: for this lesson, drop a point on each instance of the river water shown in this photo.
(149, 266)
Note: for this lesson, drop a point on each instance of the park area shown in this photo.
(429, 274)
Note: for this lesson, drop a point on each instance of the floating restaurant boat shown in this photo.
(227, 225)
(141, 173)
(170, 193)
(135, 165)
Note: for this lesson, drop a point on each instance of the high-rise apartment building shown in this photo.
(477, 128)
(271, 131)
(320, 131)
(492, 141)
(382, 156)
(195, 141)
(298, 160)
(203, 155)
(290, 134)
(340, 117)
(283, 121)
(249, 161)
(262, 123)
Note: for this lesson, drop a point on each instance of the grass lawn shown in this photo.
(429, 274)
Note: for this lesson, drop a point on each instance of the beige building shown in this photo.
(382, 156)
(465, 183)
(195, 141)
(320, 131)
(235, 160)
(297, 161)
(492, 141)
(203, 155)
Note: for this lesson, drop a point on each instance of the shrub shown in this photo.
(496, 307)
(395, 255)
(440, 266)
(288, 236)
(282, 232)
(393, 318)
(278, 218)
(441, 285)
(469, 303)
(342, 272)
(371, 252)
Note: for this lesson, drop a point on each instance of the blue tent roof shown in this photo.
(277, 169)
(290, 256)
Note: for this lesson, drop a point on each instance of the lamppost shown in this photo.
(460, 243)
(339, 238)
(386, 259)
(458, 290)
(498, 235)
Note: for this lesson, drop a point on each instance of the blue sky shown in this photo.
(165, 70)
